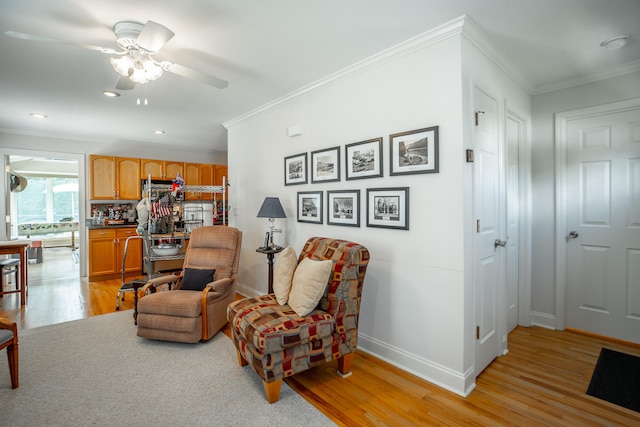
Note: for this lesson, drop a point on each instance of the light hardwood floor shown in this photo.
(541, 381)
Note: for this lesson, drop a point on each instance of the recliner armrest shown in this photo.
(159, 281)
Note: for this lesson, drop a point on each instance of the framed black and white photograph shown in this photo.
(325, 165)
(310, 206)
(414, 152)
(364, 159)
(388, 207)
(343, 208)
(295, 169)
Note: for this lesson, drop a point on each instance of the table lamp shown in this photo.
(272, 209)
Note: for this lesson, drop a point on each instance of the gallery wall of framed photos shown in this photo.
(409, 153)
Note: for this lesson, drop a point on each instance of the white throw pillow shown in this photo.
(309, 283)
(283, 274)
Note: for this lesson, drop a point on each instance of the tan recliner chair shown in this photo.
(194, 315)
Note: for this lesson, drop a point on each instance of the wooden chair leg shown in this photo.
(12, 356)
(241, 360)
(344, 364)
(272, 390)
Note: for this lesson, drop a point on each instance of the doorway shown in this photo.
(48, 210)
(598, 232)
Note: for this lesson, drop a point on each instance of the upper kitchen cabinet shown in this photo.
(161, 169)
(114, 178)
(220, 171)
(198, 174)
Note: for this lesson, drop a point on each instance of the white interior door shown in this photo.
(602, 225)
(488, 258)
(512, 264)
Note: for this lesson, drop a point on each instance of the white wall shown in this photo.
(545, 106)
(481, 71)
(412, 307)
(417, 307)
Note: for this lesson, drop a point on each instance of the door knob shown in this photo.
(572, 235)
(499, 242)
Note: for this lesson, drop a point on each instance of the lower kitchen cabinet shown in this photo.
(106, 252)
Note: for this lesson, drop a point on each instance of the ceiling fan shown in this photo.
(135, 62)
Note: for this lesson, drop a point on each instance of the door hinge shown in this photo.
(477, 113)
(477, 332)
(469, 156)
(477, 225)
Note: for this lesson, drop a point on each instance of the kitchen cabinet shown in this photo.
(106, 252)
(220, 172)
(198, 174)
(160, 169)
(192, 177)
(114, 178)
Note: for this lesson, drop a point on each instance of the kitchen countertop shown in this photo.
(100, 226)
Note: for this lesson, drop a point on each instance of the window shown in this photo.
(48, 200)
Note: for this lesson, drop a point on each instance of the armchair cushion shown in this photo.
(195, 279)
(283, 274)
(271, 327)
(309, 284)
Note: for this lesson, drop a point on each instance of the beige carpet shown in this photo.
(96, 371)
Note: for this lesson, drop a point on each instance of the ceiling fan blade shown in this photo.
(195, 75)
(31, 37)
(153, 36)
(125, 83)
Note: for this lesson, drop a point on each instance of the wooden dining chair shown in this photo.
(9, 340)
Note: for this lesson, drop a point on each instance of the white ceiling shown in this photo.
(267, 49)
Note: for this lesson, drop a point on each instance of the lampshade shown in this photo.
(271, 208)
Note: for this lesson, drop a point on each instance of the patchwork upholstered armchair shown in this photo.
(195, 307)
(277, 342)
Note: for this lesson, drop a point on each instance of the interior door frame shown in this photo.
(82, 205)
(561, 231)
(524, 205)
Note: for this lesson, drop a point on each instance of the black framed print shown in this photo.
(325, 165)
(343, 207)
(414, 152)
(310, 206)
(364, 159)
(295, 169)
(388, 207)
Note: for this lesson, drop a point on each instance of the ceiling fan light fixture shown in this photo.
(122, 65)
(152, 70)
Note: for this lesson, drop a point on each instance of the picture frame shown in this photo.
(414, 151)
(388, 208)
(343, 208)
(363, 159)
(295, 169)
(310, 206)
(325, 165)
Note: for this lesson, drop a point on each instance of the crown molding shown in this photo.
(607, 73)
(442, 32)
(478, 39)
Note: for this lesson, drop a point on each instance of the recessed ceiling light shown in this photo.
(110, 93)
(38, 116)
(158, 132)
(615, 42)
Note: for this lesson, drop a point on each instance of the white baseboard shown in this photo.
(456, 382)
(246, 291)
(543, 320)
